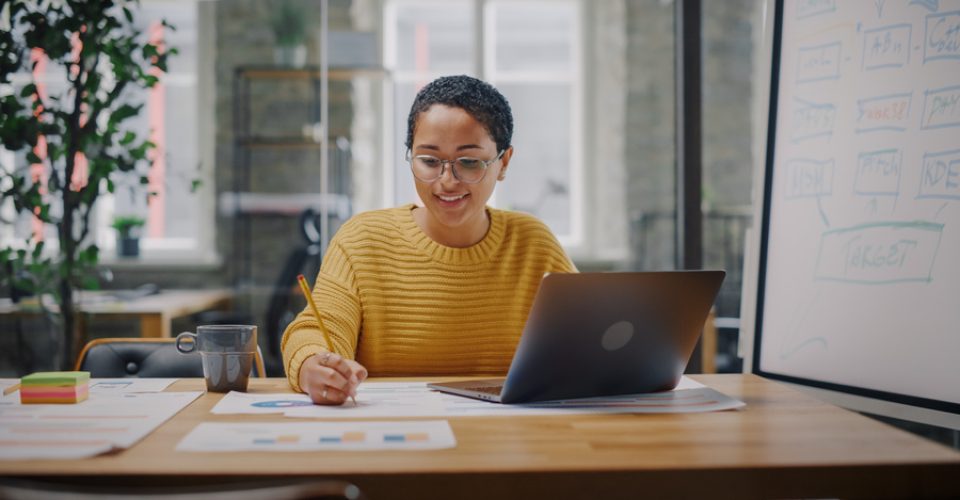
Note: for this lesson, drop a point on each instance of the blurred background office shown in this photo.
(278, 120)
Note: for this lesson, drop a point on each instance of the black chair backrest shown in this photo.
(138, 358)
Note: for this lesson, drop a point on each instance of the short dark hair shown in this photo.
(484, 103)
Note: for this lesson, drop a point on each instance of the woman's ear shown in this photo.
(504, 163)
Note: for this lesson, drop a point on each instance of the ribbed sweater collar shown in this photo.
(480, 252)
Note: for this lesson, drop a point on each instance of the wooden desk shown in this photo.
(783, 444)
(155, 312)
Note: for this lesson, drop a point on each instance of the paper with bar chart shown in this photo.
(319, 436)
(414, 399)
(104, 422)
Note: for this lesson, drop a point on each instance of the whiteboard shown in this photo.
(859, 281)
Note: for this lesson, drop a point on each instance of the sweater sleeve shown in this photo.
(338, 301)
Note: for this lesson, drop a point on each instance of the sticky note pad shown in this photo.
(54, 387)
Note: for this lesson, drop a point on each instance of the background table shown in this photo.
(783, 444)
(154, 312)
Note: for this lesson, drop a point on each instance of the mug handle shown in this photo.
(193, 345)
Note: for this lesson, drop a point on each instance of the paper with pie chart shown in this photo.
(414, 399)
(242, 402)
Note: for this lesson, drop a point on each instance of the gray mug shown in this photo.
(227, 353)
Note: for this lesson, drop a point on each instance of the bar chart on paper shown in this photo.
(316, 436)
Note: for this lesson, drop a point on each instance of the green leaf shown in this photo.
(128, 138)
(28, 90)
(195, 185)
(123, 112)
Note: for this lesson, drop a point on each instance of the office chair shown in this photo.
(144, 358)
(276, 490)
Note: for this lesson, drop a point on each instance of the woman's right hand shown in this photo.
(329, 379)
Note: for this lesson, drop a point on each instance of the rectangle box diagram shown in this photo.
(941, 108)
(878, 173)
(879, 253)
(886, 47)
(807, 178)
(811, 119)
(810, 8)
(941, 36)
(940, 177)
(819, 62)
(885, 112)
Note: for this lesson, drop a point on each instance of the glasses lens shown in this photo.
(470, 169)
(426, 168)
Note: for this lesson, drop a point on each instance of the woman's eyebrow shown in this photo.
(437, 148)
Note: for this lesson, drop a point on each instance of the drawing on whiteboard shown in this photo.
(812, 119)
(797, 324)
(940, 177)
(810, 8)
(818, 62)
(941, 108)
(886, 47)
(879, 5)
(807, 178)
(885, 112)
(879, 253)
(878, 173)
(941, 36)
(931, 5)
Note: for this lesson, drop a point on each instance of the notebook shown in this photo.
(602, 334)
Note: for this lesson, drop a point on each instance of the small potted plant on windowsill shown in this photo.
(128, 234)
(289, 28)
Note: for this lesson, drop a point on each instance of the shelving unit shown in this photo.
(278, 148)
(275, 130)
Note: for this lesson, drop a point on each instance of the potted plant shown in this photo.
(128, 234)
(289, 28)
(77, 142)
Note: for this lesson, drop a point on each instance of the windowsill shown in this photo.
(156, 262)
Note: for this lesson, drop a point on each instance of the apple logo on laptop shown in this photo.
(617, 335)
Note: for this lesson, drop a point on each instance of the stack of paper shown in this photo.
(54, 387)
(105, 422)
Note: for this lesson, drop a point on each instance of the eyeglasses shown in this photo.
(468, 170)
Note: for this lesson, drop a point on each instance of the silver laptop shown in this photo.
(601, 334)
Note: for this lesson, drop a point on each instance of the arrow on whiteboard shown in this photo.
(940, 210)
(823, 215)
(879, 4)
(931, 5)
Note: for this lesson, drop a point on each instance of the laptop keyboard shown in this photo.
(487, 389)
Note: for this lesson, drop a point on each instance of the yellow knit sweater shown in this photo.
(401, 304)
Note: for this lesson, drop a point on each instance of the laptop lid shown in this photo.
(600, 334)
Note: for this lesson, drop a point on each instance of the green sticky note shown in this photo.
(58, 379)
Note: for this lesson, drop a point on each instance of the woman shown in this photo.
(438, 289)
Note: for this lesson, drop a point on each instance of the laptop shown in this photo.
(603, 334)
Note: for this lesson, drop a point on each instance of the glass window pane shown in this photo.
(169, 119)
(434, 36)
(728, 32)
(404, 190)
(539, 176)
(649, 138)
(534, 36)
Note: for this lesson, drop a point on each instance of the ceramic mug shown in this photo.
(227, 353)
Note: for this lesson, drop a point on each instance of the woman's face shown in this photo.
(455, 209)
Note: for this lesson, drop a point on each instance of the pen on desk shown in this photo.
(316, 312)
(10, 390)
